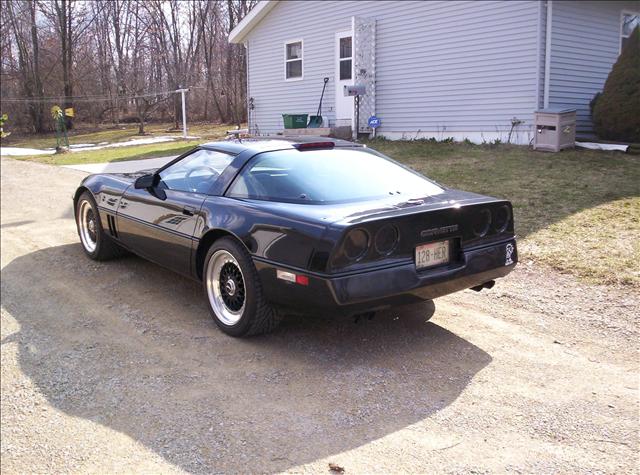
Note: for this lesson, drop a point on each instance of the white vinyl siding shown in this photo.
(449, 66)
(585, 42)
(443, 68)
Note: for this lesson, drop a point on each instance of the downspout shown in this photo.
(539, 54)
(354, 126)
(547, 53)
(248, 95)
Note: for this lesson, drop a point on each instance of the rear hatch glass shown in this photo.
(327, 177)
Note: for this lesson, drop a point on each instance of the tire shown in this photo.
(96, 244)
(234, 292)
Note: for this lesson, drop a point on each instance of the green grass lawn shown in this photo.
(205, 133)
(577, 211)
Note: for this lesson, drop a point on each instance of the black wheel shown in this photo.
(95, 242)
(234, 292)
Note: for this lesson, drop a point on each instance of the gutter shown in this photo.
(547, 53)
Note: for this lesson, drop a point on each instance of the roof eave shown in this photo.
(257, 13)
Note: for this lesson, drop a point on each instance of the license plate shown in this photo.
(432, 254)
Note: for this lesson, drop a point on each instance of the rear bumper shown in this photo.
(382, 288)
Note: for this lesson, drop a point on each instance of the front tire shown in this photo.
(234, 292)
(95, 242)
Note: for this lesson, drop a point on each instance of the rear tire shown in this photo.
(234, 292)
(96, 244)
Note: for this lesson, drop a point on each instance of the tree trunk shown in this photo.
(140, 120)
(39, 91)
(64, 18)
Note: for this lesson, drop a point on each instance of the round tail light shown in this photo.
(481, 222)
(386, 239)
(356, 244)
(501, 218)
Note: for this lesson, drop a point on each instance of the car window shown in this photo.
(196, 172)
(328, 176)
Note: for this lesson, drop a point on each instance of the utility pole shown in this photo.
(184, 111)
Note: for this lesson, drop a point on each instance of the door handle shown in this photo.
(188, 210)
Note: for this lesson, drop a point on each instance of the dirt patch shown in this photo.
(117, 367)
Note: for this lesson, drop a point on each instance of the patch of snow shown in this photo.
(19, 151)
(148, 140)
(79, 145)
(144, 141)
(602, 146)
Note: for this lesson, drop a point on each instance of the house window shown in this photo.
(293, 60)
(630, 22)
(345, 58)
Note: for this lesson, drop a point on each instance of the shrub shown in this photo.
(615, 112)
(592, 104)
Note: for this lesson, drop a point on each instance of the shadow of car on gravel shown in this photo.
(131, 346)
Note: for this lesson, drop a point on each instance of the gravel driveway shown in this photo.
(112, 367)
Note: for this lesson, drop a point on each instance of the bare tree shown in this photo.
(141, 81)
(118, 60)
(120, 15)
(236, 57)
(212, 29)
(64, 10)
(101, 42)
(23, 24)
(177, 41)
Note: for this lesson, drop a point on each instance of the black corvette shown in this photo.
(311, 225)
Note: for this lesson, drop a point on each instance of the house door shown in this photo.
(344, 76)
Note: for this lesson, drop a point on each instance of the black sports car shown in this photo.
(311, 225)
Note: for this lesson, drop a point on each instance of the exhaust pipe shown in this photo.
(486, 285)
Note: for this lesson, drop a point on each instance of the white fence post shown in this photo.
(184, 111)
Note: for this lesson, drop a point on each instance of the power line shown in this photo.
(82, 98)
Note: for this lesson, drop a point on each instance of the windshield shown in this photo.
(328, 176)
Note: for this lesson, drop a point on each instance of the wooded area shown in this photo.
(119, 61)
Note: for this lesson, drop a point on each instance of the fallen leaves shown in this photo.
(335, 468)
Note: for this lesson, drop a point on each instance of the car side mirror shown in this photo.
(145, 182)
(150, 182)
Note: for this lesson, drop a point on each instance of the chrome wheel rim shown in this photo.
(87, 220)
(225, 287)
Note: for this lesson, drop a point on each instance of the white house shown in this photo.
(462, 69)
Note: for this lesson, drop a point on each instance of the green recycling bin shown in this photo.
(295, 121)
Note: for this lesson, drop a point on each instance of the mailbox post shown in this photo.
(356, 91)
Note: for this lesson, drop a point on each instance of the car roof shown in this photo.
(272, 143)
